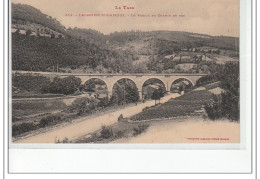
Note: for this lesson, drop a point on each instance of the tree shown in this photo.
(68, 85)
(227, 104)
(90, 86)
(161, 91)
(159, 68)
(124, 91)
(140, 68)
(157, 94)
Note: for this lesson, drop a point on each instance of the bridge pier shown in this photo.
(140, 95)
(109, 95)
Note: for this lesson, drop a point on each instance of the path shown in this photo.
(81, 128)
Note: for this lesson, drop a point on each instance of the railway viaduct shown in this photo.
(138, 79)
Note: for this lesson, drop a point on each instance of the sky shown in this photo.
(212, 17)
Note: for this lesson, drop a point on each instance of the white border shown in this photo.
(90, 160)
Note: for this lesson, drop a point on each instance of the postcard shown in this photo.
(115, 73)
(120, 72)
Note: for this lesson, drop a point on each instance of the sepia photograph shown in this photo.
(124, 72)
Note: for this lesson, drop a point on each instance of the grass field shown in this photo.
(24, 108)
(180, 106)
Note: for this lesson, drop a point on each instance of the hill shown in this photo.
(41, 43)
(23, 14)
(174, 40)
(88, 35)
(44, 54)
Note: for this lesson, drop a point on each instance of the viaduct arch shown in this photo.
(138, 79)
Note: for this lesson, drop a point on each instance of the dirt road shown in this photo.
(81, 128)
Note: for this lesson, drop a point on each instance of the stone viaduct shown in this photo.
(138, 79)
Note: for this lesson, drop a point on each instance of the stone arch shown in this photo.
(124, 78)
(181, 78)
(144, 95)
(96, 78)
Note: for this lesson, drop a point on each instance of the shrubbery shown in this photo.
(18, 129)
(158, 94)
(214, 109)
(84, 105)
(140, 129)
(67, 85)
(22, 128)
(106, 132)
(227, 104)
(50, 120)
(41, 84)
(28, 82)
(125, 91)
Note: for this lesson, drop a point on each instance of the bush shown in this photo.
(106, 132)
(214, 109)
(103, 102)
(119, 134)
(68, 85)
(140, 129)
(22, 128)
(50, 120)
(227, 105)
(120, 117)
(28, 82)
(157, 94)
(84, 105)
